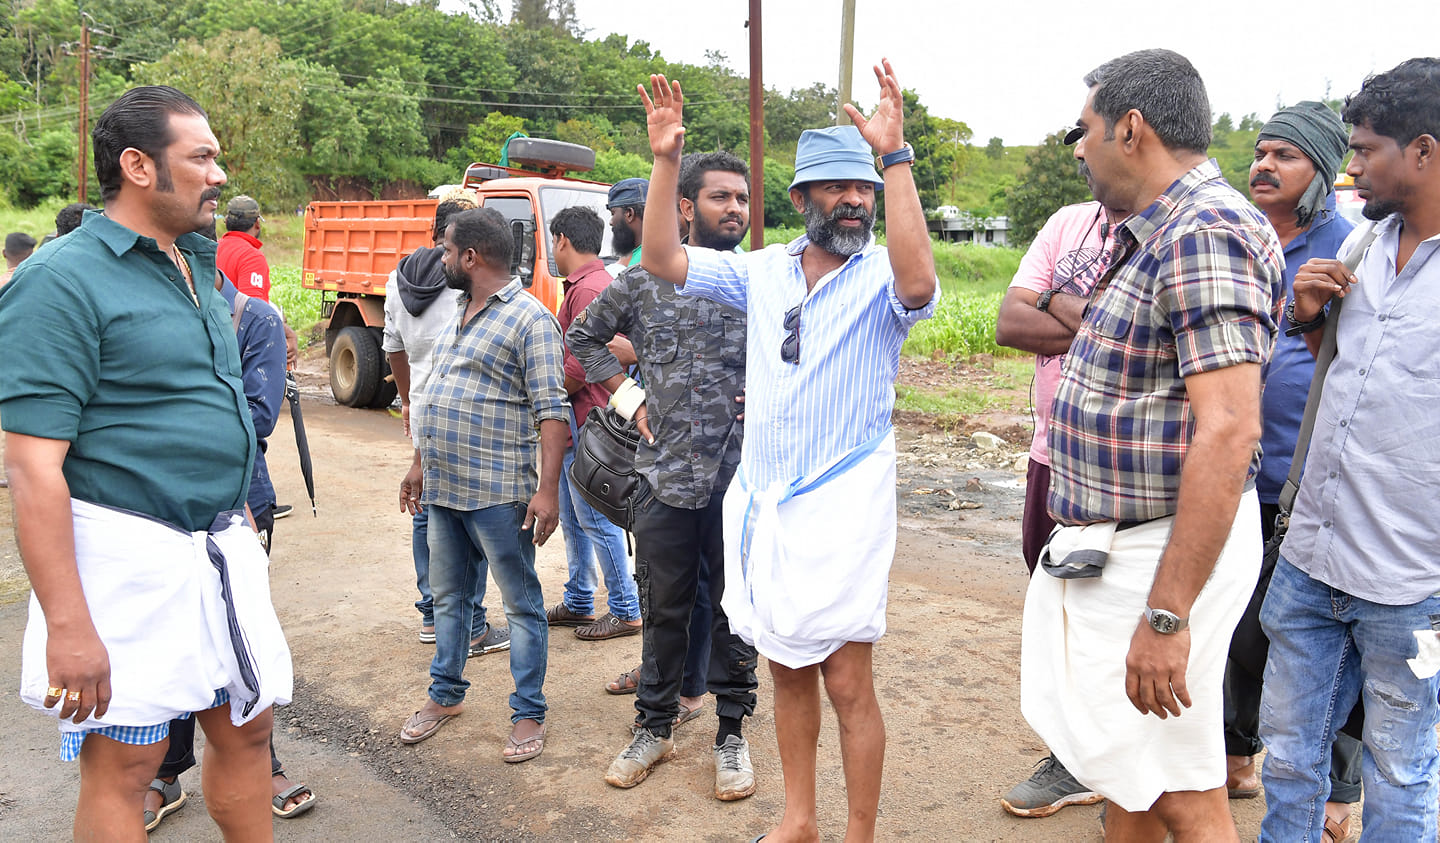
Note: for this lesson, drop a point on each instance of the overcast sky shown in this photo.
(1012, 68)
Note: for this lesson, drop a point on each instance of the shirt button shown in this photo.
(1326, 524)
(1362, 371)
(1334, 474)
(1382, 317)
(1344, 423)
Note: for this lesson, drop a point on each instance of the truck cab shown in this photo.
(351, 248)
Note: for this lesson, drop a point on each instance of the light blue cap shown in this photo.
(835, 153)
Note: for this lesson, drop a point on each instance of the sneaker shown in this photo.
(734, 777)
(633, 764)
(1047, 791)
(281, 510)
(495, 639)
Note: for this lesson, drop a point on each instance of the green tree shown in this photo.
(995, 149)
(1051, 181)
(779, 210)
(557, 16)
(483, 142)
(612, 166)
(593, 133)
(254, 105)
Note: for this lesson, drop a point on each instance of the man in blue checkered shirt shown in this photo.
(1154, 439)
(496, 392)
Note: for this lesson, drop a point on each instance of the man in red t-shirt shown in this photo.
(239, 255)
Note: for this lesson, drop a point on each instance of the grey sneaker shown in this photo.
(1048, 790)
(734, 777)
(633, 764)
(495, 639)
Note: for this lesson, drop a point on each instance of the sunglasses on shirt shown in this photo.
(790, 347)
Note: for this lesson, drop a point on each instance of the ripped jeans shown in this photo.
(1326, 649)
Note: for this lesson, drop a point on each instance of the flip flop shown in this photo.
(426, 724)
(513, 743)
(688, 714)
(626, 683)
(277, 804)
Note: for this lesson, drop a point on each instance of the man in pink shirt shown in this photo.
(239, 255)
(589, 537)
(1040, 313)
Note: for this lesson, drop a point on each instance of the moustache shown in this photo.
(1084, 170)
(850, 212)
(1265, 178)
(209, 194)
(735, 218)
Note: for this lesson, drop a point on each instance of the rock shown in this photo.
(1023, 463)
(974, 485)
(986, 441)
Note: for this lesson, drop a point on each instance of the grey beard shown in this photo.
(825, 232)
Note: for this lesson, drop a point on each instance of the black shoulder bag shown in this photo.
(604, 467)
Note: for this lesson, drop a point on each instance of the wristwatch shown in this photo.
(1043, 303)
(1298, 327)
(903, 155)
(1163, 622)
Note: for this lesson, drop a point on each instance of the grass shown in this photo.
(950, 406)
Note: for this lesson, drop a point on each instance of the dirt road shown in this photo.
(947, 673)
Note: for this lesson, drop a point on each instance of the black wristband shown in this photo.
(1296, 328)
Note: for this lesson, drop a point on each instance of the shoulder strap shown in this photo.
(240, 300)
(1323, 359)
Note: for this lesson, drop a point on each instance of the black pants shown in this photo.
(181, 754)
(670, 546)
(1244, 672)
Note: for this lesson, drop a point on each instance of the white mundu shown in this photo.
(155, 597)
(807, 564)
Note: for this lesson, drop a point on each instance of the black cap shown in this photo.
(1074, 135)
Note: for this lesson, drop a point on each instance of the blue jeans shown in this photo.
(1328, 648)
(590, 538)
(461, 544)
(420, 550)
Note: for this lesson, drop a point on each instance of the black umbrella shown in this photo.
(302, 444)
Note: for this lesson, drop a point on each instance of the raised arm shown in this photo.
(662, 256)
(906, 237)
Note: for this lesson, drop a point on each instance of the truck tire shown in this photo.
(543, 152)
(355, 367)
(386, 390)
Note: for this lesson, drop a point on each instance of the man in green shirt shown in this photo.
(128, 445)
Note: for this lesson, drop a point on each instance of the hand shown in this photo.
(405, 417)
(623, 350)
(1316, 282)
(292, 348)
(885, 130)
(542, 516)
(642, 423)
(664, 117)
(77, 661)
(740, 399)
(410, 489)
(1155, 671)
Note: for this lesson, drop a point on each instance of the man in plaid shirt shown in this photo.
(1154, 439)
(498, 379)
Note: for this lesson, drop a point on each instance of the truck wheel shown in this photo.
(385, 390)
(355, 366)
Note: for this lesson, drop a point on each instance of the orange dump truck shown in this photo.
(352, 247)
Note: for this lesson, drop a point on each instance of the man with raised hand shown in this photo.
(692, 358)
(129, 447)
(1154, 437)
(810, 516)
(1352, 606)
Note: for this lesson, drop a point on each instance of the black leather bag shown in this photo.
(604, 467)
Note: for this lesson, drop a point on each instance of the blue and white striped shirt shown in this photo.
(799, 417)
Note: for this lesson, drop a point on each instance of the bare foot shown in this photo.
(428, 720)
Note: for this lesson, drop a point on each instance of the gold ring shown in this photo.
(54, 692)
(73, 696)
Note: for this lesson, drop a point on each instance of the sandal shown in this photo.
(560, 615)
(605, 627)
(688, 714)
(172, 799)
(515, 743)
(625, 683)
(1336, 832)
(423, 726)
(277, 803)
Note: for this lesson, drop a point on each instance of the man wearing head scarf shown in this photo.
(1292, 180)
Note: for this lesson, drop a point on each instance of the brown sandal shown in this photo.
(1336, 832)
(625, 683)
(515, 743)
(605, 627)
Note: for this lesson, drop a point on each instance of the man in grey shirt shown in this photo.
(1352, 607)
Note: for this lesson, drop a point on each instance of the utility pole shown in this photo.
(84, 101)
(847, 58)
(757, 132)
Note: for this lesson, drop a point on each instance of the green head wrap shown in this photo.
(1318, 133)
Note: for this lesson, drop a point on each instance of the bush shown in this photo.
(301, 306)
(964, 323)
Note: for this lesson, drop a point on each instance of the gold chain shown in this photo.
(185, 270)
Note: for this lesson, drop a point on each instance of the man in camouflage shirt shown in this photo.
(692, 358)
